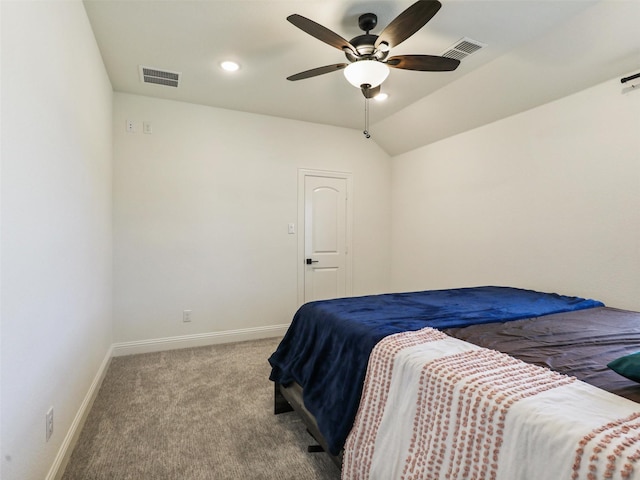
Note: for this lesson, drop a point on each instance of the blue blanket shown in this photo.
(327, 346)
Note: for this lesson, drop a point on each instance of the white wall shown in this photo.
(56, 226)
(547, 199)
(201, 208)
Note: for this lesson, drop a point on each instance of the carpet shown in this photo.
(194, 414)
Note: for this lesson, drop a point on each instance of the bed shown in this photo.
(320, 367)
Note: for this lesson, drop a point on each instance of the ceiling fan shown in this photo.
(368, 54)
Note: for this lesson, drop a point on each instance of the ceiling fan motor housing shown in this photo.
(365, 49)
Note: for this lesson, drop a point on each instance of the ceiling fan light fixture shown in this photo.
(366, 72)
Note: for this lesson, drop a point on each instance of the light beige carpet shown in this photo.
(194, 414)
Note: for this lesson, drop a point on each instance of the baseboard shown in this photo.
(66, 449)
(197, 340)
(145, 346)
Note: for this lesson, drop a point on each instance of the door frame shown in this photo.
(302, 174)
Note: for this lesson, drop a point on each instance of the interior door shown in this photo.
(326, 238)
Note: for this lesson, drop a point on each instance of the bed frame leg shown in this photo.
(280, 404)
(314, 448)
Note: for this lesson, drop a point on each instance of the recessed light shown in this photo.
(381, 97)
(229, 66)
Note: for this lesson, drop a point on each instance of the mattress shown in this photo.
(580, 344)
(328, 344)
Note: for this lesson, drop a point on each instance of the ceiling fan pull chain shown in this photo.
(366, 118)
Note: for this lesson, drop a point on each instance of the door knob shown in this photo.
(310, 261)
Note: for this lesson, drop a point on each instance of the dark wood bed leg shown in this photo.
(314, 448)
(280, 404)
(287, 399)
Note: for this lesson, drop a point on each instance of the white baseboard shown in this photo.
(197, 340)
(66, 449)
(145, 346)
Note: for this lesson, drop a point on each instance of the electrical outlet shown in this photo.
(130, 126)
(49, 424)
(186, 316)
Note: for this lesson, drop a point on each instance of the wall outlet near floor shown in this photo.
(186, 316)
(49, 424)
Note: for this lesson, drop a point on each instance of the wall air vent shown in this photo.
(463, 48)
(159, 76)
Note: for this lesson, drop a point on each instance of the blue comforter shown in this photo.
(327, 346)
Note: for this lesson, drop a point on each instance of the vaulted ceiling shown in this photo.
(536, 51)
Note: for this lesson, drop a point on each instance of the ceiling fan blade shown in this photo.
(370, 92)
(424, 63)
(321, 33)
(408, 22)
(314, 72)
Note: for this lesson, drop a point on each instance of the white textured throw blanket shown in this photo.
(435, 407)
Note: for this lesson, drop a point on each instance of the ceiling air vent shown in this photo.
(159, 76)
(463, 48)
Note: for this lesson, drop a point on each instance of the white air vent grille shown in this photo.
(458, 55)
(463, 48)
(159, 76)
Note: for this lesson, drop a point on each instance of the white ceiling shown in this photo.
(537, 51)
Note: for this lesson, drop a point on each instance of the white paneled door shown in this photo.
(326, 236)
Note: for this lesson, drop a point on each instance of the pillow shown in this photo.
(627, 366)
